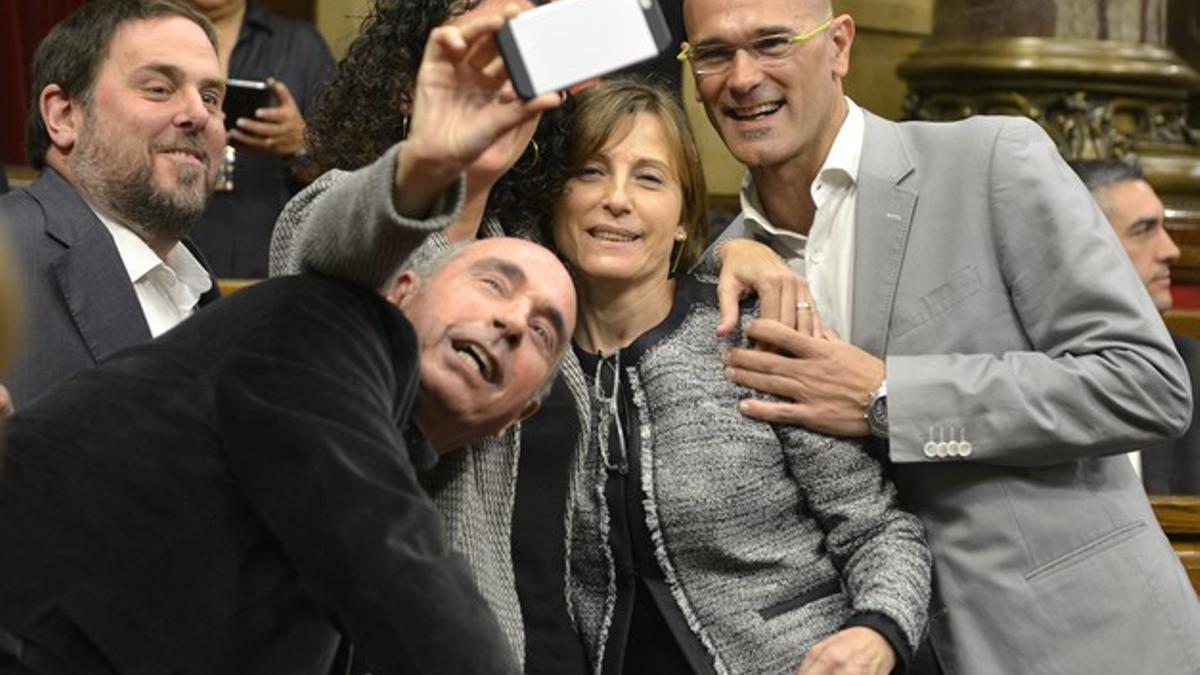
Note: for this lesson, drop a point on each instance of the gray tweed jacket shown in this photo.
(769, 536)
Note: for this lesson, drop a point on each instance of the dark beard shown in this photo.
(132, 198)
(153, 213)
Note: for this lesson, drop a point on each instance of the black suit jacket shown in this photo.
(79, 302)
(1174, 468)
(232, 497)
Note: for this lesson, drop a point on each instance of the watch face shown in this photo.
(878, 420)
(879, 410)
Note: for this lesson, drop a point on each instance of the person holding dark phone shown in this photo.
(277, 67)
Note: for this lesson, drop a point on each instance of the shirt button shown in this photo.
(931, 449)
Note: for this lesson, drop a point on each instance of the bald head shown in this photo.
(492, 322)
(777, 113)
(693, 9)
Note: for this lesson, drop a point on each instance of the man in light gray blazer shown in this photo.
(999, 346)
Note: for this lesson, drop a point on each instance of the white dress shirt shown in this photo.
(826, 256)
(168, 290)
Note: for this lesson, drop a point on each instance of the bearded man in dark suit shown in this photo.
(125, 127)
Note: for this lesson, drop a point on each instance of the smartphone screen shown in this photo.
(243, 97)
(567, 42)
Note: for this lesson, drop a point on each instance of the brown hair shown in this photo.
(72, 53)
(599, 113)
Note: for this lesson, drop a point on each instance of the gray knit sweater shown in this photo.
(770, 537)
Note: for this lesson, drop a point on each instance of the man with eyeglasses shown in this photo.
(997, 344)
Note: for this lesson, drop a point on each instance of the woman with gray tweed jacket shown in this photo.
(702, 540)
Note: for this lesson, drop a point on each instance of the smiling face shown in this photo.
(779, 112)
(1136, 213)
(492, 324)
(146, 146)
(619, 214)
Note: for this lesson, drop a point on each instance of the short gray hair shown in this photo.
(1100, 174)
(429, 265)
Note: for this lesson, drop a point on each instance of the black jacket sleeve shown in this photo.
(311, 417)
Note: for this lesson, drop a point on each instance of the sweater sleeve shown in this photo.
(345, 225)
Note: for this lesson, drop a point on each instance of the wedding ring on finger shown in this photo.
(802, 305)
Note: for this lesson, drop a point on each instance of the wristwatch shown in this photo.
(876, 412)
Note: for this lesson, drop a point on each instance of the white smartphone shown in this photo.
(562, 43)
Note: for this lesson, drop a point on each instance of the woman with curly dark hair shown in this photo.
(365, 110)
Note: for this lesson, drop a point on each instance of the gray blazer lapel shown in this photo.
(90, 274)
(881, 223)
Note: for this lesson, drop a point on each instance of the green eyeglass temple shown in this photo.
(685, 53)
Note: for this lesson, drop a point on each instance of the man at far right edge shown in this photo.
(1136, 215)
(997, 343)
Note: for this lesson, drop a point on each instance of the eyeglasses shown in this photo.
(710, 59)
(606, 391)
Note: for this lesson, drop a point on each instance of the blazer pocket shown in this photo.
(1086, 551)
(910, 315)
(831, 587)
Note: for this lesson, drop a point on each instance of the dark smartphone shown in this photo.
(562, 43)
(243, 97)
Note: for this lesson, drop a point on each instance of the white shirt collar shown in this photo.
(844, 157)
(139, 259)
(846, 151)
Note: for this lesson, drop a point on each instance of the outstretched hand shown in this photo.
(464, 101)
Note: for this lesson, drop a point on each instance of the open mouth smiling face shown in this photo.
(477, 358)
